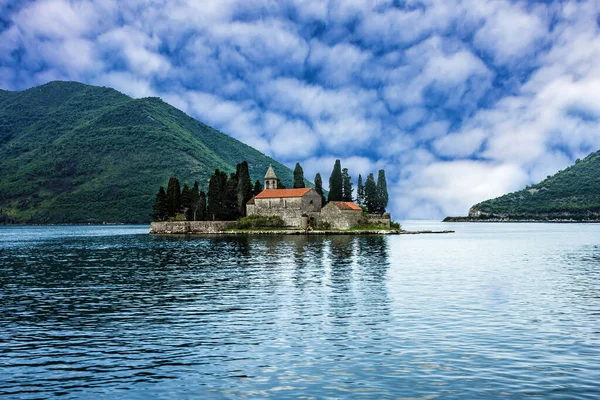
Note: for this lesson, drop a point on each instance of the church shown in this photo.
(291, 205)
(294, 206)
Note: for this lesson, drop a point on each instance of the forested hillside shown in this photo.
(73, 153)
(571, 194)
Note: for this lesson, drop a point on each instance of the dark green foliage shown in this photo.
(382, 193)
(360, 198)
(335, 182)
(160, 210)
(319, 188)
(280, 184)
(346, 186)
(217, 188)
(230, 209)
(192, 211)
(186, 196)
(371, 200)
(573, 193)
(257, 188)
(73, 153)
(298, 176)
(259, 221)
(244, 187)
(201, 213)
(173, 197)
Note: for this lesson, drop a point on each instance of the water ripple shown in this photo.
(109, 312)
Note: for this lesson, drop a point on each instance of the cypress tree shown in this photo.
(382, 193)
(173, 196)
(244, 187)
(335, 182)
(280, 184)
(201, 214)
(298, 176)
(216, 195)
(230, 200)
(371, 194)
(319, 188)
(346, 186)
(360, 196)
(186, 196)
(160, 211)
(191, 213)
(257, 188)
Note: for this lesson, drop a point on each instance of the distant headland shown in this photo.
(571, 195)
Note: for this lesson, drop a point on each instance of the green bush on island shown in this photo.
(260, 222)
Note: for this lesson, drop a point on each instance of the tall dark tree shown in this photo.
(216, 195)
(335, 182)
(371, 194)
(244, 187)
(229, 211)
(346, 186)
(298, 176)
(257, 188)
(360, 195)
(191, 213)
(319, 188)
(186, 196)
(201, 214)
(382, 193)
(160, 210)
(173, 196)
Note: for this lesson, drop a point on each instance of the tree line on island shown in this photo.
(228, 194)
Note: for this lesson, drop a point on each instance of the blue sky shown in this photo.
(458, 100)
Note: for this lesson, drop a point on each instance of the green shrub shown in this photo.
(395, 225)
(259, 221)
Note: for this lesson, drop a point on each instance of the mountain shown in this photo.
(73, 153)
(570, 195)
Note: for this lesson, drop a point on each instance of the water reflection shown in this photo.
(99, 315)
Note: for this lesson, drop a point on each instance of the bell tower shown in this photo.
(270, 179)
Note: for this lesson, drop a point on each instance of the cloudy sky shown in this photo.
(458, 100)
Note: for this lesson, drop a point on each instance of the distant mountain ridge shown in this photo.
(74, 153)
(572, 194)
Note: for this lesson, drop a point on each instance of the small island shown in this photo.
(276, 210)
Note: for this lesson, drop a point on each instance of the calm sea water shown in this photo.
(492, 311)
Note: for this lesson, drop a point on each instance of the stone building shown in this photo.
(293, 206)
(341, 214)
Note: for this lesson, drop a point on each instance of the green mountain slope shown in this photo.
(571, 194)
(73, 153)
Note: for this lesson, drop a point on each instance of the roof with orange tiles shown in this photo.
(282, 193)
(346, 205)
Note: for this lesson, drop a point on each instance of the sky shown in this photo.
(457, 100)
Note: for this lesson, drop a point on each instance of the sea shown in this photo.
(492, 311)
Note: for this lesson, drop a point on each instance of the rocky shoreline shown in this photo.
(525, 220)
(228, 228)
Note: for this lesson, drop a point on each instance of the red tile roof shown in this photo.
(279, 193)
(346, 205)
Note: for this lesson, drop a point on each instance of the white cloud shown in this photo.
(421, 89)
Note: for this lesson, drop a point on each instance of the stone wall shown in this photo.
(191, 227)
(383, 220)
(346, 219)
(339, 219)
